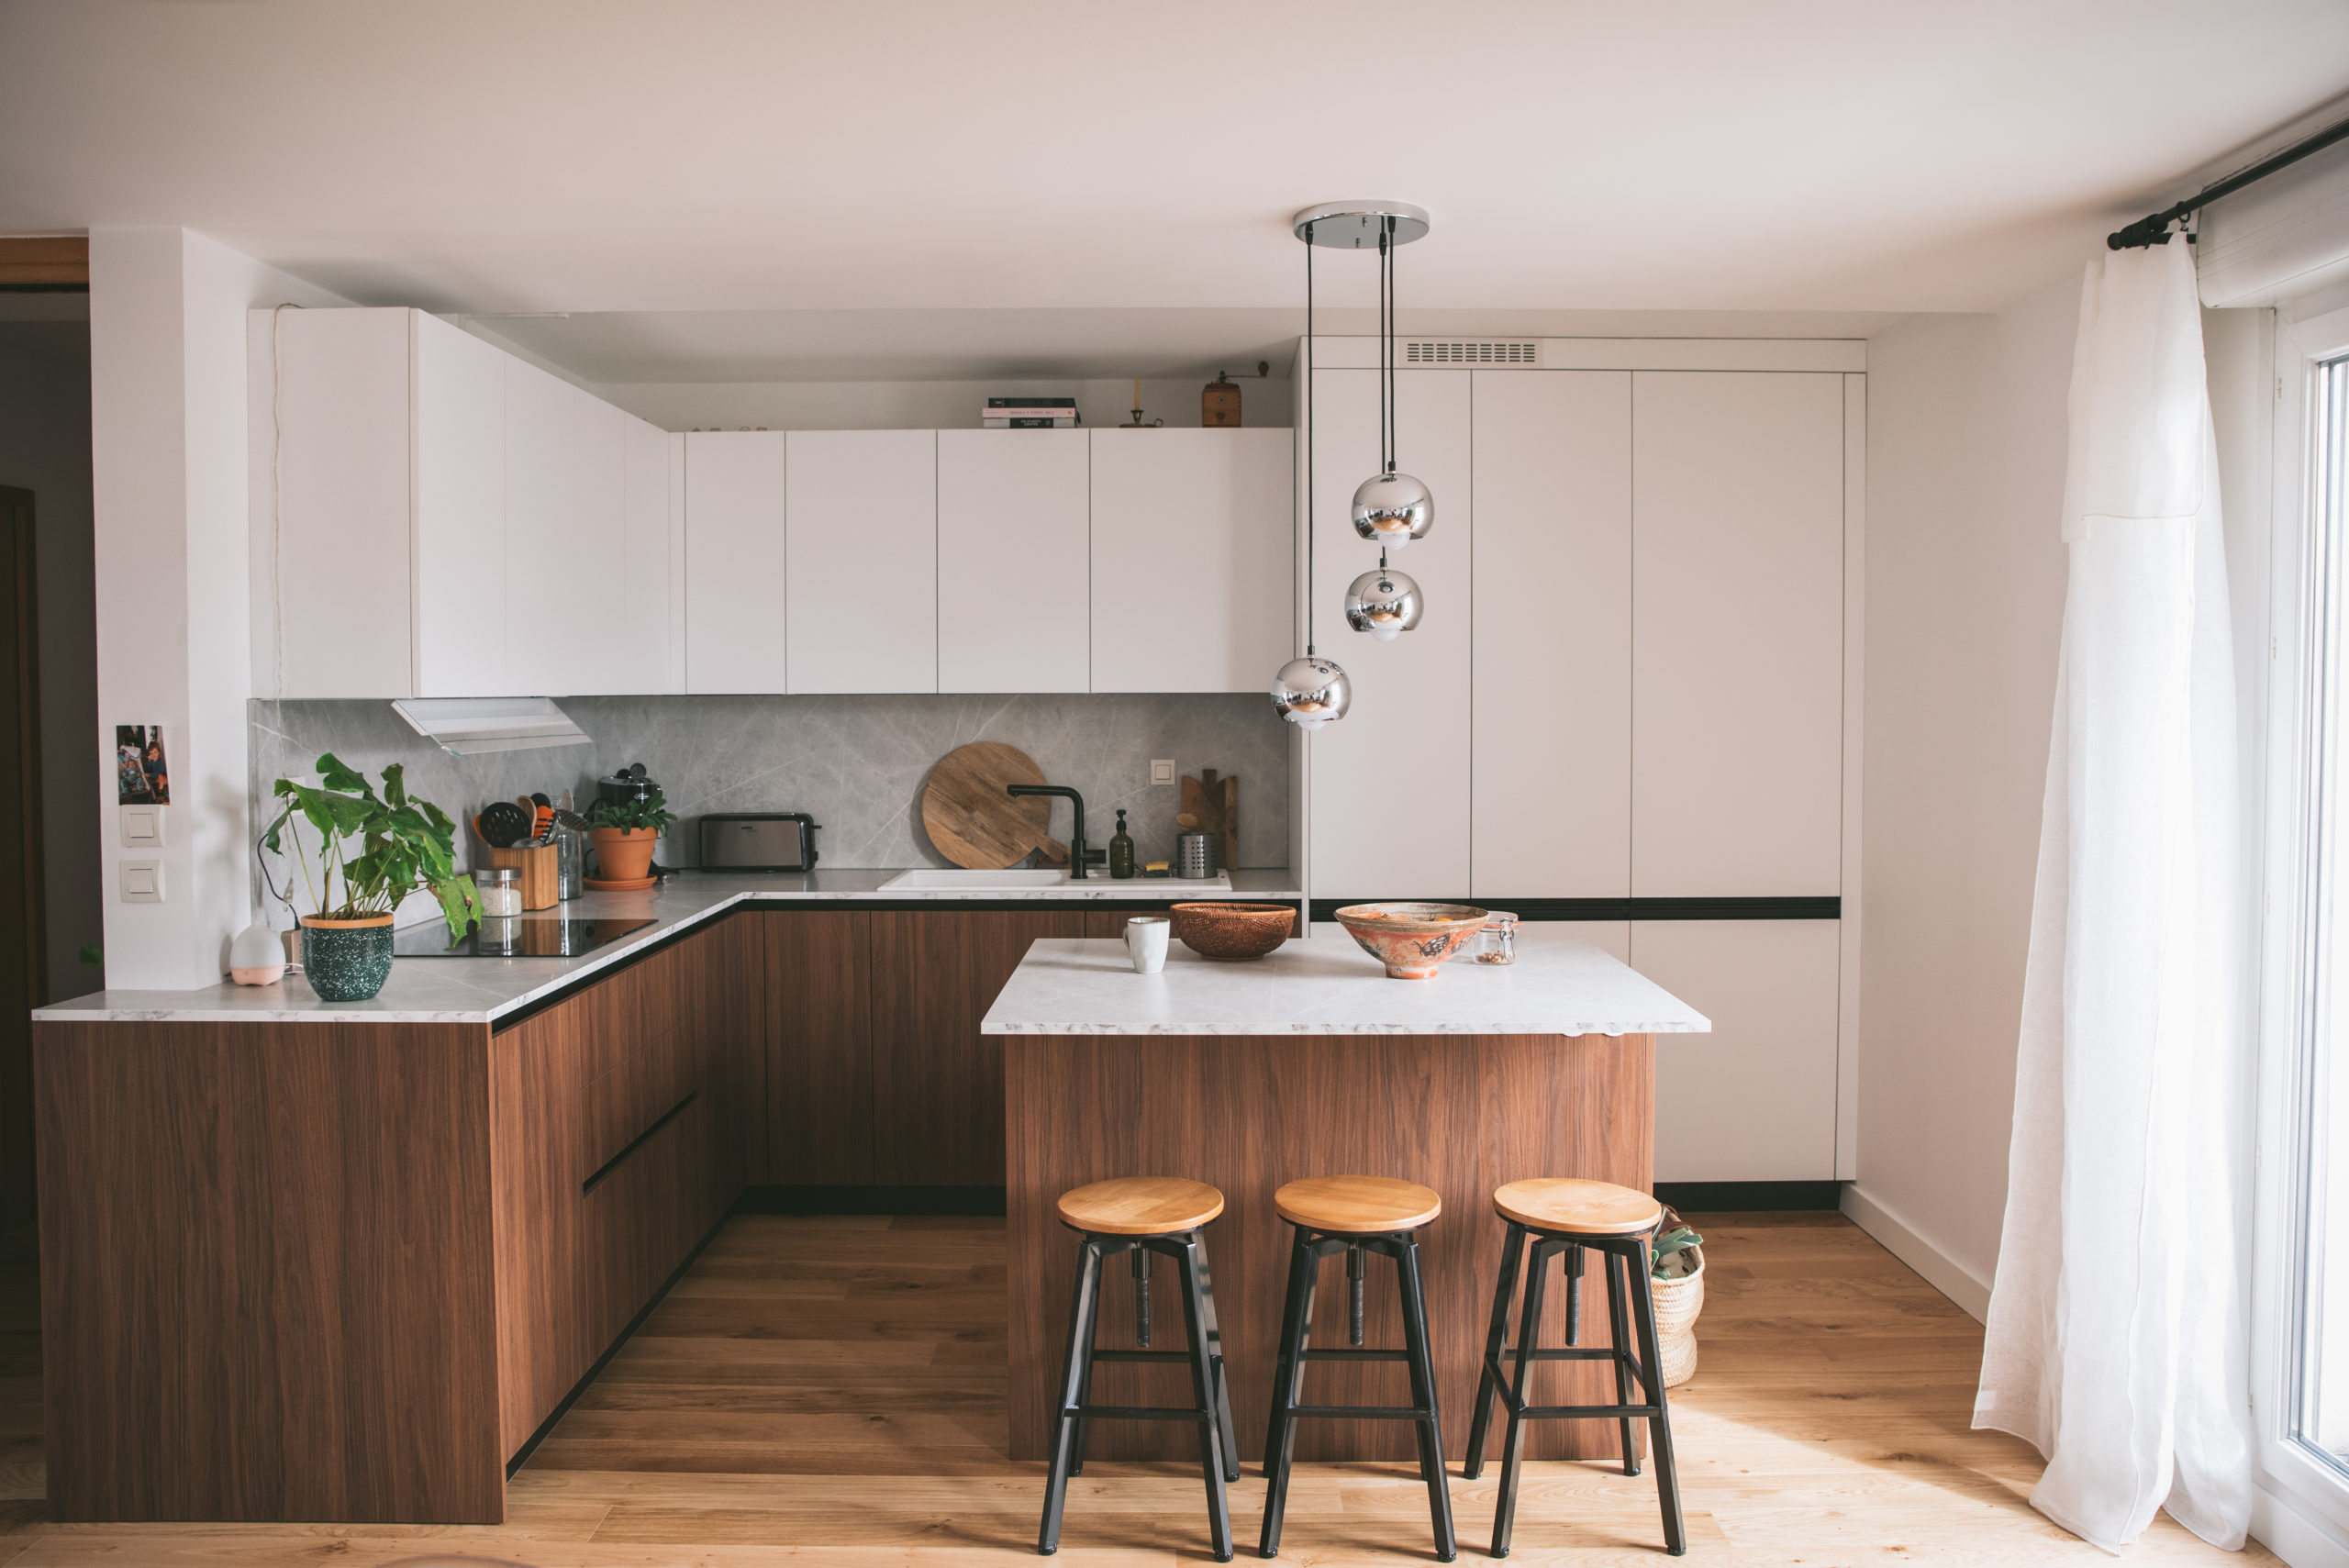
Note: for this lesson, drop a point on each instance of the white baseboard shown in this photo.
(2290, 1532)
(1945, 1273)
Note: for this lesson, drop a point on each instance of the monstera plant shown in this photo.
(366, 853)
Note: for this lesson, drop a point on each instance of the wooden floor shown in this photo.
(833, 1390)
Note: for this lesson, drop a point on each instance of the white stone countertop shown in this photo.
(482, 990)
(1325, 985)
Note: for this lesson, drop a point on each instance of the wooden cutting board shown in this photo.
(973, 823)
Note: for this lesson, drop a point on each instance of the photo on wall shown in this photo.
(141, 778)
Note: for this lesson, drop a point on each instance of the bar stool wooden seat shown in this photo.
(1354, 1214)
(1566, 1216)
(1143, 1215)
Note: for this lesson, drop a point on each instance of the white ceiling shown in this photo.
(967, 158)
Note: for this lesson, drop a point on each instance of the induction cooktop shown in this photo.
(525, 936)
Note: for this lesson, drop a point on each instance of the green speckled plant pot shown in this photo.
(347, 960)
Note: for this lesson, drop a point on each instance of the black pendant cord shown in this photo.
(1387, 248)
(1385, 371)
(1311, 367)
(2153, 229)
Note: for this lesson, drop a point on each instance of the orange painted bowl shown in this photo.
(1232, 933)
(1410, 939)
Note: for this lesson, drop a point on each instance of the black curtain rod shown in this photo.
(2153, 229)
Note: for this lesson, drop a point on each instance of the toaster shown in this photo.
(759, 840)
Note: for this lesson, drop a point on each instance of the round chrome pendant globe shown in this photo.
(1393, 509)
(1384, 602)
(1311, 691)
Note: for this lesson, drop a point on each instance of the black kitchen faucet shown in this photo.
(1076, 849)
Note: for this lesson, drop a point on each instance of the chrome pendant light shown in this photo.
(1391, 509)
(1311, 691)
(1384, 602)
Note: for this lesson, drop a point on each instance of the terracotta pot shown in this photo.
(347, 960)
(623, 854)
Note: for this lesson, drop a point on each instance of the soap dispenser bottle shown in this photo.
(1121, 850)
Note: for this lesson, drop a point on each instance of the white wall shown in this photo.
(169, 460)
(1965, 575)
(921, 404)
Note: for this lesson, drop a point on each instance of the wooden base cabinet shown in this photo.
(338, 1272)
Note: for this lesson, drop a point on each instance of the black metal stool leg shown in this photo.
(1215, 1358)
(1203, 1393)
(1423, 1395)
(1667, 1480)
(1083, 1307)
(1529, 1334)
(1618, 1328)
(1084, 1389)
(1495, 1340)
(1573, 1295)
(1296, 1328)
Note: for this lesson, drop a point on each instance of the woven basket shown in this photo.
(1677, 1302)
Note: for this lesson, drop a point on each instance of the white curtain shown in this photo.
(2116, 1340)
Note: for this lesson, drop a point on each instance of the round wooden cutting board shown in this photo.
(973, 823)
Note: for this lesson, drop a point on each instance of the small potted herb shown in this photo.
(623, 831)
(404, 845)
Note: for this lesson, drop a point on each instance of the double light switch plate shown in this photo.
(143, 828)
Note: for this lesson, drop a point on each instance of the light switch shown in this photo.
(142, 826)
(1162, 770)
(142, 882)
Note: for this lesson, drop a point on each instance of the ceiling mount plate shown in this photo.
(1354, 226)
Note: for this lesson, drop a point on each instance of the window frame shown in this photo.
(2281, 1157)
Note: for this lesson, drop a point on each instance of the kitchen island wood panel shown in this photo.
(1460, 1113)
(937, 1081)
(267, 1271)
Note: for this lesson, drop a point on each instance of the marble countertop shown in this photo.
(1326, 985)
(482, 990)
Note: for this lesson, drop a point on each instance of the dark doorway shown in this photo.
(24, 945)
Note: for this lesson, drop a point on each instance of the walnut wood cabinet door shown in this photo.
(817, 1086)
(937, 1082)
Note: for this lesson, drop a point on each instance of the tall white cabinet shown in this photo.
(735, 565)
(1626, 707)
(860, 522)
(1014, 552)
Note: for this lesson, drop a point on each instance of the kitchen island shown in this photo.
(1311, 1062)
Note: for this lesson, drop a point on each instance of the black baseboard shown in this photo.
(869, 1200)
(1749, 1197)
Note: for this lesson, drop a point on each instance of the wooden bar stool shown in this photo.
(1354, 1214)
(1143, 1215)
(1566, 1217)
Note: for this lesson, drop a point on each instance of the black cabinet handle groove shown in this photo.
(638, 1142)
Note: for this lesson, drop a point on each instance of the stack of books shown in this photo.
(1029, 413)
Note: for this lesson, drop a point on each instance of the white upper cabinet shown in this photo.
(1553, 673)
(451, 521)
(339, 530)
(735, 568)
(1389, 784)
(461, 632)
(1013, 611)
(1194, 568)
(860, 525)
(1737, 611)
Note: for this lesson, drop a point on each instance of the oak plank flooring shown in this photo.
(888, 1453)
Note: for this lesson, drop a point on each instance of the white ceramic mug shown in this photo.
(1146, 940)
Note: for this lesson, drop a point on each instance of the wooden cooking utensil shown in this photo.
(973, 822)
(1212, 805)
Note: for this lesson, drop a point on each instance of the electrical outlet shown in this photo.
(1162, 770)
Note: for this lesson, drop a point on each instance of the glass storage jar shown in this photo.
(1496, 943)
(499, 888)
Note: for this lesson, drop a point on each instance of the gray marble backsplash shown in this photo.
(856, 764)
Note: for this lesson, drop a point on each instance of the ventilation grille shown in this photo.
(1436, 351)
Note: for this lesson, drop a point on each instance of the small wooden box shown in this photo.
(537, 862)
(1220, 404)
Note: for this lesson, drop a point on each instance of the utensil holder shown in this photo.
(538, 867)
(1195, 856)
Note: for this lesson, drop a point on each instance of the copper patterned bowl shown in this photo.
(1233, 932)
(1410, 939)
